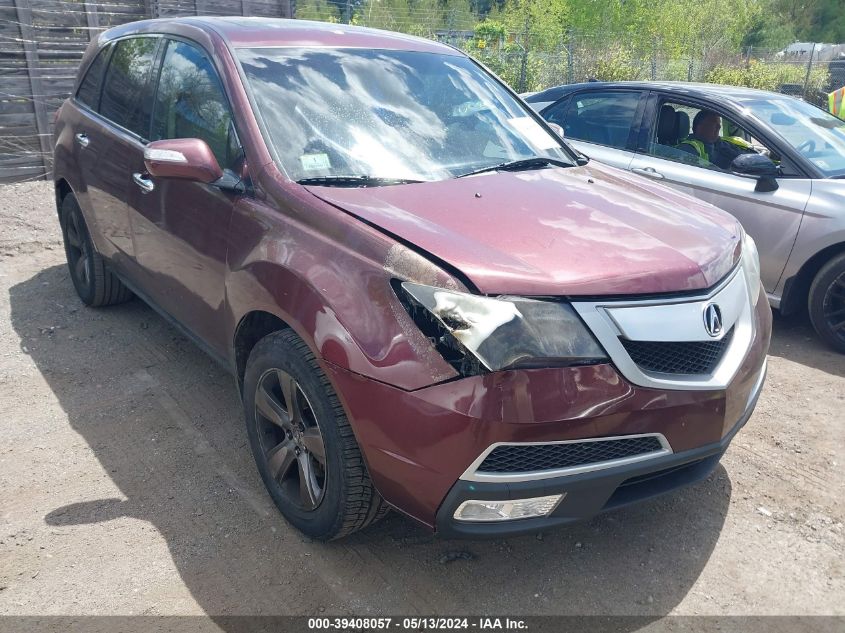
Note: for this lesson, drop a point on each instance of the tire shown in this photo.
(95, 284)
(826, 303)
(338, 497)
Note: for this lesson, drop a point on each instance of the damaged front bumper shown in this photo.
(586, 493)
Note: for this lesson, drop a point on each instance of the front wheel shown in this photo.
(302, 442)
(827, 303)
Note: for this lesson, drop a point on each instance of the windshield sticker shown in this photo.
(469, 107)
(821, 163)
(313, 162)
(533, 133)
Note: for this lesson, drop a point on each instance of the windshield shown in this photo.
(371, 115)
(815, 134)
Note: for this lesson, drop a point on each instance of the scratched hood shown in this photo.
(591, 230)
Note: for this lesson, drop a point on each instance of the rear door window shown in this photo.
(125, 100)
(604, 118)
(89, 89)
(190, 103)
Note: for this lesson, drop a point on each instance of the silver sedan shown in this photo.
(775, 162)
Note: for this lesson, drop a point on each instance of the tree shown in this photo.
(320, 10)
(458, 15)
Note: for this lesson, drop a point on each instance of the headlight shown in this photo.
(751, 266)
(478, 333)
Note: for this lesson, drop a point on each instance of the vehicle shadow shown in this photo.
(165, 424)
(793, 338)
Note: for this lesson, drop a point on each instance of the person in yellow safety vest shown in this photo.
(836, 103)
(706, 143)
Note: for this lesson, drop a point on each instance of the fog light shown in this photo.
(477, 510)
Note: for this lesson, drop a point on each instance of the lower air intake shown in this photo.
(537, 457)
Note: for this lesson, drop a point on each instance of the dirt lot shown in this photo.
(127, 487)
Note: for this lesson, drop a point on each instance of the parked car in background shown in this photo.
(426, 299)
(792, 205)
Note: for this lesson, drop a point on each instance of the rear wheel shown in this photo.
(95, 284)
(302, 442)
(827, 303)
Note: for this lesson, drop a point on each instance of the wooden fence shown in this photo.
(41, 45)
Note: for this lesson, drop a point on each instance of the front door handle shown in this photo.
(143, 181)
(82, 140)
(648, 172)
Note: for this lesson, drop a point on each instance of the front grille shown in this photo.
(533, 457)
(696, 357)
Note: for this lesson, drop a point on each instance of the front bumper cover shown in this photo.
(590, 493)
(418, 444)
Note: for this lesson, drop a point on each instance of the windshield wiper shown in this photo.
(518, 165)
(355, 181)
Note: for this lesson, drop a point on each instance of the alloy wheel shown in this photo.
(290, 438)
(78, 252)
(833, 308)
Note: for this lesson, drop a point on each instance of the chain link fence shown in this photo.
(530, 63)
(585, 57)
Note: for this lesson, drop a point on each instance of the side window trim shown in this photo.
(153, 80)
(636, 124)
(107, 50)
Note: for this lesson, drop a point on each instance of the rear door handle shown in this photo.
(648, 172)
(82, 140)
(144, 183)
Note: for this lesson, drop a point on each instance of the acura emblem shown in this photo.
(713, 319)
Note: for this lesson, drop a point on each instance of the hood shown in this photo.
(591, 230)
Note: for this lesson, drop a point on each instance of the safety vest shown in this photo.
(698, 145)
(836, 103)
(736, 141)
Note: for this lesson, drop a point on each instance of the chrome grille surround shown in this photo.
(678, 319)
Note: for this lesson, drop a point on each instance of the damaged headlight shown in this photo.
(478, 334)
(751, 266)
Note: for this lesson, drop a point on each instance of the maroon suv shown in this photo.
(428, 300)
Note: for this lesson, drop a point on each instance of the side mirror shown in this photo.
(555, 128)
(183, 158)
(760, 167)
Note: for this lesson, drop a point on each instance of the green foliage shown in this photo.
(617, 65)
(391, 15)
(458, 14)
(490, 32)
(532, 44)
(538, 24)
(769, 76)
(809, 20)
(828, 22)
(320, 10)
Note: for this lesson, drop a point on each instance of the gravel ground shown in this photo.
(127, 487)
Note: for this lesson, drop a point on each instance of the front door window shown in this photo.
(700, 137)
(190, 103)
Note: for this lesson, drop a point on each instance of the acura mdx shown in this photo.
(428, 300)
